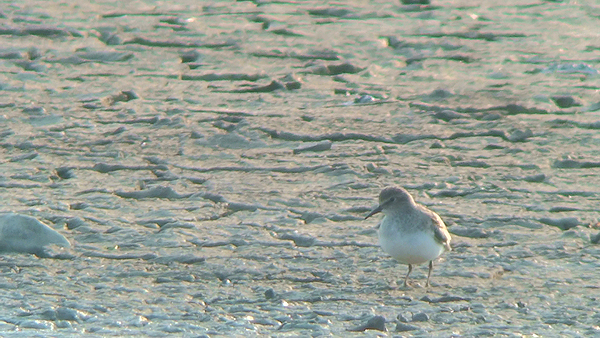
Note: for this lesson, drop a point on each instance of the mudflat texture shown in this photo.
(211, 164)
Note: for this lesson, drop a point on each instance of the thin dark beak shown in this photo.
(375, 211)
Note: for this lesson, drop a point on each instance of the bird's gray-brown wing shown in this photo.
(439, 228)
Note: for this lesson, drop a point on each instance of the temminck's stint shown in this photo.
(409, 232)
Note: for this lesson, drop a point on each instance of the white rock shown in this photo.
(25, 234)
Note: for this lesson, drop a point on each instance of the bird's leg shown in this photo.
(429, 274)
(406, 278)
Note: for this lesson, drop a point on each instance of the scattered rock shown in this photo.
(437, 145)
(443, 299)
(320, 146)
(561, 223)
(375, 323)
(473, 163)
(595, 239)
(402, 327)
(416, 2)
(564, 101)
(420, 317)
(270, 293)
(535, 178)
(449, 115)
(25, 234)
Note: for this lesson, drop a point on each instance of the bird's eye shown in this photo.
(392, 199)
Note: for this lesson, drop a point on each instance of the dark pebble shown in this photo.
(78, 206)
(10, 55)
(401, 327)
(535, 178)
(443, 299)
(415, 2)
(33, 53)
(573, 164)
(420, 317)
(448, 115)
(474, 164)
(565, 101)
(402, 319)
(494, 146)
(293, 85)
(344, 68)
(196, 135)
(270, 294)
(74, 222)
(130, 95)
(595, 239)
(437, 145)
(375, 323)
(519, 135)
(321, 146)
(190, 56)
(299, 240)
(440, 94)
(65, 172)
(563, 209)
(561, 223)
(364, 99)
(34, 111)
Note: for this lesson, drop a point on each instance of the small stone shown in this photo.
(270, 294)
(470, 289)
(595, 239)
(189, 56)
(33, 53)
(565, 101)
(520, 135)
(420, 317)
(448, 115)
(321, 146)
(437, 145)
(491, 117)
(130, 95)
(364, 99)
(535, 178)
(75, 222)
(34, 111)
(293, 85)
(374, 168)
(65, 172)
(401, 327)
(196, 135)
(494, 147)
(563, 209)
(561, 223)
(375, 323)
(78, 206)
(402, 319)
(440, 94)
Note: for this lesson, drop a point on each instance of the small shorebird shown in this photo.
(409, 232)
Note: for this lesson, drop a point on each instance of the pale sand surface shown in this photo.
(190, 213)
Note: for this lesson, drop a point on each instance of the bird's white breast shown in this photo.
(408, 246)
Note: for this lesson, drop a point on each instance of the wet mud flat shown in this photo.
(211, 164)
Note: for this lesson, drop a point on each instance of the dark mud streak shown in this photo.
(138, 40)
(514, 136)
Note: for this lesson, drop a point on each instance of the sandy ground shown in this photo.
(212, 162)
